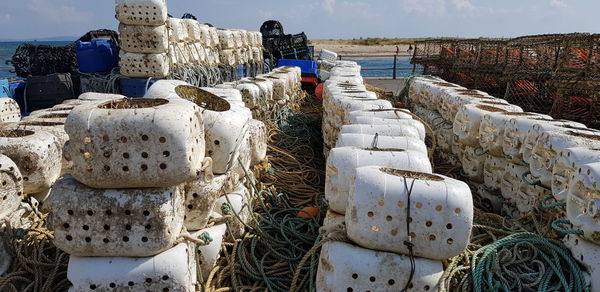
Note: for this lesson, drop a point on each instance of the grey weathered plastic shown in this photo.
(201, 197)
(36, 153)
(12, 187)
(91, 222)
(9, 111)
(136, 143)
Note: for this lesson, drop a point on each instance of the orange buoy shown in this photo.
(308, 213)
(319, 91)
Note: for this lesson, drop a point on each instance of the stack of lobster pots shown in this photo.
(144, 38)
(400, 220)
(154, 45)
(155, 185)
(521, 162)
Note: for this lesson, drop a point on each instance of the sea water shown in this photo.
(403, 66)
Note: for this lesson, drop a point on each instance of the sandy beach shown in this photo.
(362, 50)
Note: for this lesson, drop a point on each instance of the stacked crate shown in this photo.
(122, 204)
(382, 195)
(522, 162)
(144, 38)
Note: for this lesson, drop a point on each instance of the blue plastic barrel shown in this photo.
(136, 87)
(241, 72)
(16, 89)
(4, 89)
(307, 67)
(99, 55)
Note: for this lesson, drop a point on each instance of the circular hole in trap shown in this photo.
(203, 98)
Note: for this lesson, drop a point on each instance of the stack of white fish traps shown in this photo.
(522, 161)
(148, 187)
(157, 46)
(401, 220)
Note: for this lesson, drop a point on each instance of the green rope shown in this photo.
(226, 209)
(205, 236)
(547, 205)
(556, 226)
(403, 96)
(480, 152)
(526, 262)
(527, 181)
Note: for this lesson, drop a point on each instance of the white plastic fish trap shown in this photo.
(333, 221)
(468, 121)
(537, 129)
(136, 143)
(529, 196)
(588, 255)
(440, 216)
(205, 38)
(328, 55)
(58, 130)
(452, 103)
(201, 197)
(493, 171)
(37, 155)
(546, 151)
(369, 141)
(142, 12)
(583, 202)
(258, 141)
(9, 110)
(225, 125)
(114, 222)
(178, 30)
(228, 57)
(382, 113)
(512, 179)
(144, 65)
(280, 90)
(12, 187)
(236, 204)
(194, 33)
(226, 39)
(568, 164)
(251, 95)
(473, 162)
(172, 270)
(392, 122)
(164, 89)
(492, 127)
(346, 267)
(144, 39)
(343, 162)
(382, 130)
(265, 86)
(515, 132)
(208, 255)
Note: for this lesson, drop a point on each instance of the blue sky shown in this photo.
(322, 19)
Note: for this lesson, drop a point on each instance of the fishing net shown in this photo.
(39, 60)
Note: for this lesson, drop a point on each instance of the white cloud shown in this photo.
(465, 4)
(430, 8)
(328, 6)
(558, 4)
(58, 10)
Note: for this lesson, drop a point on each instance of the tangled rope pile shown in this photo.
(278, 235)
(504, 256)
(38, 266)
